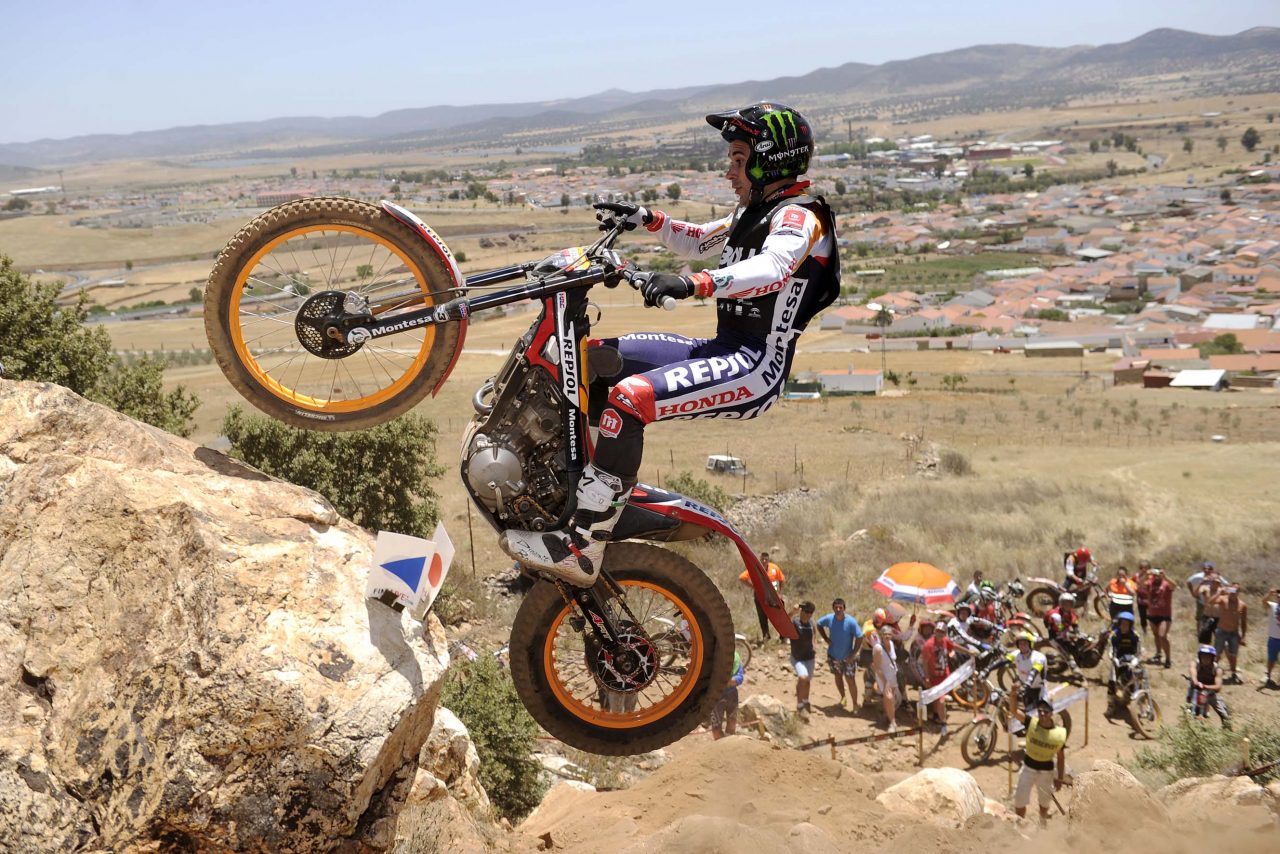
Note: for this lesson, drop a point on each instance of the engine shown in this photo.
(512, 458)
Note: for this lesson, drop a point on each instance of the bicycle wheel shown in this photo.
(280, 282)
(1144, 716)
(743, 646)
(629, 703)
(978, 741)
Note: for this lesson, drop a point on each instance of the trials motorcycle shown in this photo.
(335, 314)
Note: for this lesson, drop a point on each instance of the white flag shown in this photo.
(408, 572)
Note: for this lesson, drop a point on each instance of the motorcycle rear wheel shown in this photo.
(972, 693)
(1102, 607)
(562, 691)
(291, 267)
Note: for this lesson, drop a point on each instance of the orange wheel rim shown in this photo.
(653, 711)
(391, 371)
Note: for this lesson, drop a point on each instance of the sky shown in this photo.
(86, 67)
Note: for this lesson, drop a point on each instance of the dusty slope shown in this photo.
(740, 794)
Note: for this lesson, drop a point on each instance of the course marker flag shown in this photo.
(408, 572)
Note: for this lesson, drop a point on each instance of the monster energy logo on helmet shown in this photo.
(761, 124)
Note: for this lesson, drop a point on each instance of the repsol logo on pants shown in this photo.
(721, 399)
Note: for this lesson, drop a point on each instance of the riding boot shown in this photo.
(574, 553)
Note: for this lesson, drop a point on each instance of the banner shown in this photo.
(945, 687)
(408, 572)
(1060, 703)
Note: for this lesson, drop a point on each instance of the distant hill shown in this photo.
(978, 77)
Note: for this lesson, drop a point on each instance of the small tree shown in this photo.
(1112, 168)
(379, 478)
(1029, 170)
(1250, 139)
(564, 200)
(841, 189)
(481, 694)
(1188, 145)
(673, 192)
(17, 203)
(1222, 143)
(1093, 146)
(138, 391)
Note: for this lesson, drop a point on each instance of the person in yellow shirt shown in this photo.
(1045, 752)
(777, 579)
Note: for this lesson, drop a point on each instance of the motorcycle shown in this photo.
(1044, 598)
(979, 736)
(1015, 621)
(301, 311)
(1132, 697)
(973, 692)
(1085, 651)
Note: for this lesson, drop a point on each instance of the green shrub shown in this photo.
(378, 478)
(43, 341)
(1202, 749)
(956, 463)
(481, 694)
(699, 490)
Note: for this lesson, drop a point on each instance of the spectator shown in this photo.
(776, 578)
(1045, 750)
(1142, 591)
(1160, 613)
(974, 591)
(884, 663)
(1272, 601)
(1193, 587)
(1232, 623)
(1121, 592)
(935, 658)
(724, 715)
(843, 636)
(1206, 674)
(1206, 623)
(803, 657)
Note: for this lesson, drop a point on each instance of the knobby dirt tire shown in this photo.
(978, 741)
(1144, 724)
(636, 562)
(430, 273)
(1041, 601)
(743, 647)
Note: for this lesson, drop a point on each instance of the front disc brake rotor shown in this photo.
(323, 320)
(630, 665)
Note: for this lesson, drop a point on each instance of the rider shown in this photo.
(1206, 674)
(778, 267)
(1126, 651)
(1063, 623)
(1029, 666)
(1077, 566)
(988, 603)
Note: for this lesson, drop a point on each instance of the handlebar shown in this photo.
(636, 278)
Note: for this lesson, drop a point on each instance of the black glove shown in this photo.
(658, 285)
(610, 214)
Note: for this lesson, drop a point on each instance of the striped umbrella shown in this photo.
(921, 583)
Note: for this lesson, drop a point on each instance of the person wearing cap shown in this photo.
(1194, 582)
(1044, 761)
(1029, 666)
(778, 266)
(935, 661)
(1160, 613)
(1206, 675)
(776, 579)
(803, 655)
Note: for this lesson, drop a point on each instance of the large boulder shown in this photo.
(1108, 796)
(944, 796)
(769, 711)
(451, 757)
(1220, 801)
(188, 657)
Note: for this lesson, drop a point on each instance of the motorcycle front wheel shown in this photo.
(1041, 601)
(282, 278)
(978, 741)
(1144, 716)
(562, 676)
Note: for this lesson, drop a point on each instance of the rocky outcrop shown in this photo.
(946, 796)
(187, 656)
(1221, 801)
(1108, 796)
(769, 711)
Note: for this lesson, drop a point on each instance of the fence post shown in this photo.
(919, 738)
(1008, 730)
(1086, 716)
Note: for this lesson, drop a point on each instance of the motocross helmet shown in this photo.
(1066, 599)
(879, 618)
(964, 606)
(1025, 636)
(988, 594)
(1208, 650)
(1125, 615)
(780, 138)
